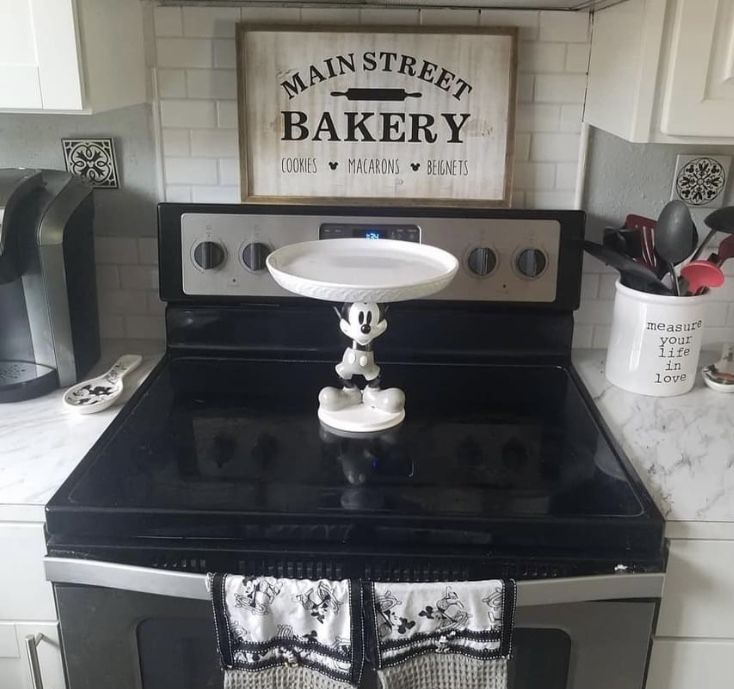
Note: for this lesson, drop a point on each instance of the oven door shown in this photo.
(126, 627)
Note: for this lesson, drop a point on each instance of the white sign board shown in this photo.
(342, 114)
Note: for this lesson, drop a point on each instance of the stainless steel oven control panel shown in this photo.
(501, 259)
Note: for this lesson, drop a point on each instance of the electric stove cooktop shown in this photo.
(502, 467)
(493, 458)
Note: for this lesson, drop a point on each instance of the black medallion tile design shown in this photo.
(701, 180)
(92, 159)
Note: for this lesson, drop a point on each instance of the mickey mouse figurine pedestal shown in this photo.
(364, 274)
(370, 408)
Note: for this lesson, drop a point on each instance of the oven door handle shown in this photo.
(165, 582)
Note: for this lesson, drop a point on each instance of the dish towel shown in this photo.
(277, 633)
(443, 636)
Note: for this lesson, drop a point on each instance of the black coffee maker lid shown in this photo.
(16, 185)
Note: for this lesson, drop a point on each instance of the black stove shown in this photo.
(502, 467)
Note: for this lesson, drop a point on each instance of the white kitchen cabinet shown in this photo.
(698, 599)
(699, 93)
(27, 609)
(24, 592)
(663, 71)
(79, 56)
(15, 669)
(693, 646)
(690, 664)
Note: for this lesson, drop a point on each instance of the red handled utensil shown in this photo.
(723, 254)
(721, 220)
(725, 251)
(646, 227)
(701, 275)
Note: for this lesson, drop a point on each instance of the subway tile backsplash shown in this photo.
(127, 288)
(195, 89)
(594, 316)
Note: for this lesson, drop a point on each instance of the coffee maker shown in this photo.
(49, 327)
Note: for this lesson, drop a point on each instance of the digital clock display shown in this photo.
(369, 233)
(404, 233)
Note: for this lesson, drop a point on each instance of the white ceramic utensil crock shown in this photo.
(655, 342)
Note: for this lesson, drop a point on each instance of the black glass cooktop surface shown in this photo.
(500, 455)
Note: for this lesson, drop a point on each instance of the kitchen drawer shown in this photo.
(14, 666)
(691, 664)
(24, 592)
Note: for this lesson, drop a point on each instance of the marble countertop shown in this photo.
(682, 448)
(41, 441)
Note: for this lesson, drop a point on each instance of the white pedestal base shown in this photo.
(360, 418)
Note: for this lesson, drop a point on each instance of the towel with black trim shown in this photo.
(275, 633)
(443, 635)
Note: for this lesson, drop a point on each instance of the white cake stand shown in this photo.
(363, 274)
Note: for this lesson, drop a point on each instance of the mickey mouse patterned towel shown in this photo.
(287, 633)
(443, 636)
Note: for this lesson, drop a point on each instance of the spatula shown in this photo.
(634, 275)
(701, 275)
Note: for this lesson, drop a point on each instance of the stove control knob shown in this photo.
(531, 263)
(254, 255)
(482, 261)
(208, 255)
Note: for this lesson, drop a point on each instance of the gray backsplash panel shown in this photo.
(35, 141)
(623, 178)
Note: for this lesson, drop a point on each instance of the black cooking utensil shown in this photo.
(721, 220)
(674, 236)
(376, 94)
(661, 268)
(725, 251)
(634, 275)
(624, 241)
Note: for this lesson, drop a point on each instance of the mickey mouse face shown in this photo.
(362, 322)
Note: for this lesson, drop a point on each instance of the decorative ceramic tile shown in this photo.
(700, 180)
(92, 159)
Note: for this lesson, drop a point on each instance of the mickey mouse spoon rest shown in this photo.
(364, 274)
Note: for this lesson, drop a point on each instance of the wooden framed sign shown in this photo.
(350, 114)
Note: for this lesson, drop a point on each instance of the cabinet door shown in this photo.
(39, 65)
(699, 94)
(58, 55)
(698, 598)
(15, 672)
(24, 592)
(687, 664)
(20, 86)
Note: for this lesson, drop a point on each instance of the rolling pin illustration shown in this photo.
(376, 94)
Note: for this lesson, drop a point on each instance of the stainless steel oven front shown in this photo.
(127, 627)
